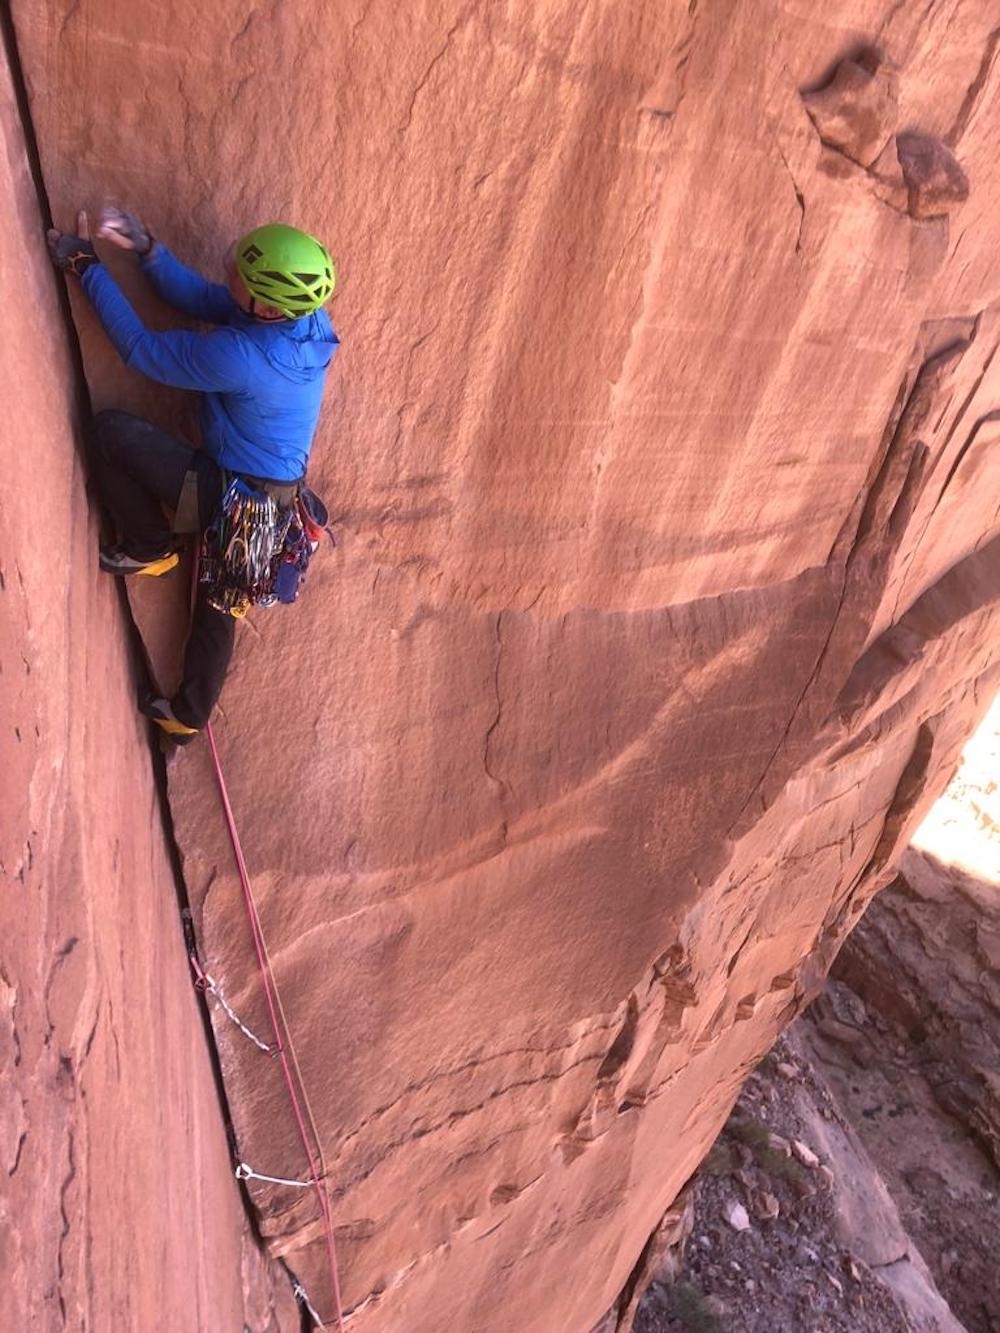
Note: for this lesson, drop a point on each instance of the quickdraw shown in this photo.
(243, 548)
(257, 554)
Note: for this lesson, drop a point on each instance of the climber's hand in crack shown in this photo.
(73, 253)
(124, 230)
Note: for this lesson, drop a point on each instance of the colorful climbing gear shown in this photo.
(242, 548)
(257, 551)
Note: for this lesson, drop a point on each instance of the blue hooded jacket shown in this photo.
(262, 383)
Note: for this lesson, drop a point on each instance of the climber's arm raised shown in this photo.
(173, 281)
(206, 361)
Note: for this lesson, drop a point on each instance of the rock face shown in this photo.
(927, 954)
(858, 109)
(118, 1208)
(907, 1032)
(666, 594)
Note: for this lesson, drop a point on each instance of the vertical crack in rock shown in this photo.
(64, 1189)
(89, 1039)
(22, 1139)
(973, 390)
(422, 81)
(955, 351)
(61, 955)
(684, 53)
(18, 1123)
(501, 786)
(881, 517)
(967, 403)
(621, 1048)
(906, 797)
(8, 40)
(971, 100)
(800, 199)
(865, 884)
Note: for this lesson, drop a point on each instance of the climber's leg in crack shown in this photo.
(139, 469)
(206, 660)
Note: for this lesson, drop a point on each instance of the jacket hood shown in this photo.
(300, 349)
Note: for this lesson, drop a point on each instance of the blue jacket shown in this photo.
(262, 384)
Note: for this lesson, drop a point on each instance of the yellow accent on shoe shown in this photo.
(162, 566)
(174, 728)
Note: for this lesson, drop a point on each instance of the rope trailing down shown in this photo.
(284, 1048)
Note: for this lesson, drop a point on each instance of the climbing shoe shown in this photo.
(115, 560)
(159, 711)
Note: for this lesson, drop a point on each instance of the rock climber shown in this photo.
(260, 372)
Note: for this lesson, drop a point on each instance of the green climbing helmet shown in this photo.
(287, 268)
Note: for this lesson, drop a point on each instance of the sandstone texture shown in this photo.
(662, 453)
(118, 1208)
(858, 109)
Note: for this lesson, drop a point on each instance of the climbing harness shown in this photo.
(257, 549)
(285, 1050)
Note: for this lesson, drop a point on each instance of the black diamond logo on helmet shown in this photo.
(251, 254)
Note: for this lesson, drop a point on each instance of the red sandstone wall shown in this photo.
(661, 444)
(118, 1206)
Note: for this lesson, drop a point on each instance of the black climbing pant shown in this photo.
(138, 469)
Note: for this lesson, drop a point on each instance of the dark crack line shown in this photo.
(905, 428)
(971, 99)
(491, 729)
(425, 1083)
(422, 83)
(83, 412)
(66, 1224)
(959, 418)
(341, 1189)
(800, 199)
(8, 34)
(21, 1141)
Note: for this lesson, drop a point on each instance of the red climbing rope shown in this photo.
(282, 1035)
